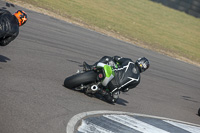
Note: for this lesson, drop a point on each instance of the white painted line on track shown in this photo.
(188, 128)
(90, 127)
(135, 124)
(74, 120)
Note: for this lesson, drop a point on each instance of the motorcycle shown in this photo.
(93, 81)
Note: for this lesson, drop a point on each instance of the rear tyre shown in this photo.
(199, 112)
(81, 78)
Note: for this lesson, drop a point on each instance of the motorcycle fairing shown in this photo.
(109, 73)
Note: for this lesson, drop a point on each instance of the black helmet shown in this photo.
(143, 64)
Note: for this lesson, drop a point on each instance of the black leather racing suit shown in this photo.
(9, 27)
(127, 75)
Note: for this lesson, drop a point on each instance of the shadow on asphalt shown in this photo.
(4, 59)
(76, 62)
(7, 5)
(189, 99)
(98, 96)
(122, 102)
(119, 101)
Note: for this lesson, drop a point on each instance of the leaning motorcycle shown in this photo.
(93, 82)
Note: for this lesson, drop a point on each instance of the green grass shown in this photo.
(157, 26)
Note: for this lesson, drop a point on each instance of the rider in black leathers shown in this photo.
(127, 74)
(9, 25)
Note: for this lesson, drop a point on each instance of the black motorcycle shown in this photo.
(93, 81)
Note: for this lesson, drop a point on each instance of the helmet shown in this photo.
(143, 64)
(21, 16)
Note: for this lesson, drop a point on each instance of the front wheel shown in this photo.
(81, 78)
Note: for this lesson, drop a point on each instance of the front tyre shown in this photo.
(81, 78)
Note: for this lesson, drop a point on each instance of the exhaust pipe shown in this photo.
(94, 87)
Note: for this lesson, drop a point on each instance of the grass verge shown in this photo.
(141, 22)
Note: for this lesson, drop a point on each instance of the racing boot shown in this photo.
(125, 90)
(106, 95)
(109, 98)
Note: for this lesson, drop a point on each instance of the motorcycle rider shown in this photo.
(127, 74)
(9, 25)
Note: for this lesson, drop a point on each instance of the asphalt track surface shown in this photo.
(34, 66)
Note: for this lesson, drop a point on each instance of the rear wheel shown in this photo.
(81, 78)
